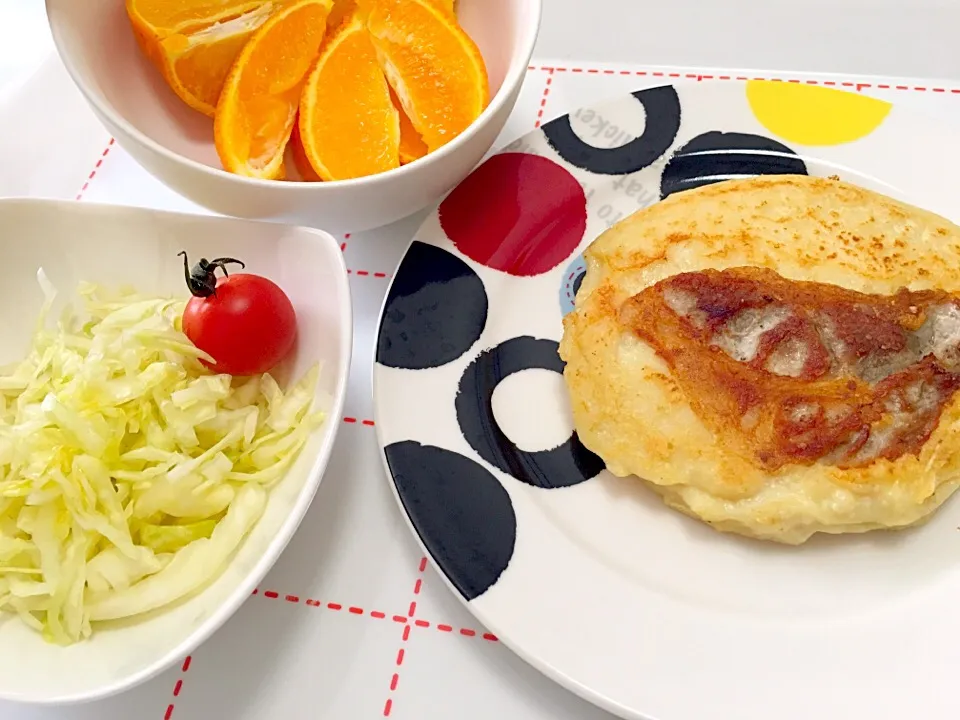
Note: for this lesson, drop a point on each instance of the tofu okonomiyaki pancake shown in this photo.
(777, 356)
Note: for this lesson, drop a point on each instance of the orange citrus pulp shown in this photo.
(161, 18)
(391, 81)
(412, 146)
(435, 68)
(446, 5)
(196, 65)
(258, 105)
(348, 124)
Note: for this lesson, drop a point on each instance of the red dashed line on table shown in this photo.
(608, 71)
(178, 687)
(701, 76)
(395, 678)
(466, 632)
(96, 168)
(378, 614)
(367, 273)
(358, 421)
(543, 99)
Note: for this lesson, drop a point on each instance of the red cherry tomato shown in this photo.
(247, 324)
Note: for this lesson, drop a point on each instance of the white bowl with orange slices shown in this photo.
(340, 114)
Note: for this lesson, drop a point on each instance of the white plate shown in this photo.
(592, 579)
(115, 246)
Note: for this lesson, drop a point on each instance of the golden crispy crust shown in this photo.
(631, 407)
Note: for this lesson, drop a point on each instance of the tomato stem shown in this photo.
(202, 279)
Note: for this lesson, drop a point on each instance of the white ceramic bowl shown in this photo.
(114, 246)
(175, 143)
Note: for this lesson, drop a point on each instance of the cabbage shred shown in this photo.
(129, 473)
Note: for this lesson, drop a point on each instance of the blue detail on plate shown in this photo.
(460, 511)
(717, 156)
(567, 464)
(662, 108)
(570, 284)
(435, 311)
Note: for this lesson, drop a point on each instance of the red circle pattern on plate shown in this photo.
(518, 213)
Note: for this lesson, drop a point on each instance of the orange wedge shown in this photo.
(196, 65)
(161, 18)
(348, 124)
(258, 105)
(435, 68)
(412, 146)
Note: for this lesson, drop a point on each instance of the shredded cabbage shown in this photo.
(129, 474)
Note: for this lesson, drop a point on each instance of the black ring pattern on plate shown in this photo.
(716, 156)
(662, 108)
(435, 311)
(570, 463)
(461, 512)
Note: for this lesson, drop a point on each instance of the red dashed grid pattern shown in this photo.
(377, 614)
(96, 169)
(409, 619)
(546, 95)
(551, 69)
(184, 668)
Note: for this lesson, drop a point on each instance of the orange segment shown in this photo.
(193, 42)
(435, 68)
(348, 124)
(161, 18)
(196, 66)
(258, 105)
(412, 146)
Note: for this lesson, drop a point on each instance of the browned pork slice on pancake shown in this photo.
(804, 371)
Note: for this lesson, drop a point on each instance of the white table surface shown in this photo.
(321, 638)
(915, 38)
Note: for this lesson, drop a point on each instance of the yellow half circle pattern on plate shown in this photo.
(813, 115)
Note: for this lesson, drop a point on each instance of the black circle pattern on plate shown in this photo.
(435, 311)
(460, 511)
(567, 464)
(578, 281)
(717, 156)
(662, 108)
